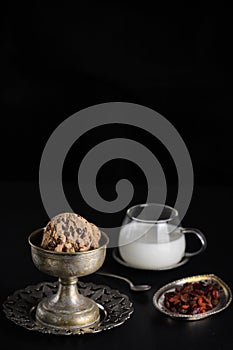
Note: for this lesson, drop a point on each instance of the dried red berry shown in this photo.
(192, 298)
(215, 293)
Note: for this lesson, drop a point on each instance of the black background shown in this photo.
(58, 60)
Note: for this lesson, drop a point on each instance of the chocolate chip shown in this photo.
(51, 244)
(80, 231)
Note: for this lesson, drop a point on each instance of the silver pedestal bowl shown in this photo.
(67, 308)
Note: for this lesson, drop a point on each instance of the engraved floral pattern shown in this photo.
(115, 308)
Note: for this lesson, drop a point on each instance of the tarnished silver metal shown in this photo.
(224, 293)
(115, 308)
(67, 308)
(134, 287)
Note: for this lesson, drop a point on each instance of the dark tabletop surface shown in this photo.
(210, 211)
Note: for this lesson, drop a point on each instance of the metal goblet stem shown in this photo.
(67, 308)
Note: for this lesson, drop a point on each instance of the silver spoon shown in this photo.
(136, 288)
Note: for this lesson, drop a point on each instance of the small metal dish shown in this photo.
(224, 301)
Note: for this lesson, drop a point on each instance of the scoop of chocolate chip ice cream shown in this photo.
(70, 232)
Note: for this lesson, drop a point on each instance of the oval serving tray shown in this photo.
(224, 294)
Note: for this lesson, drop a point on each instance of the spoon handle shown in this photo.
(115, 276)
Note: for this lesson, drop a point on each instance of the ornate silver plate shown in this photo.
(115, 308)
(224, 294)
(116, 255)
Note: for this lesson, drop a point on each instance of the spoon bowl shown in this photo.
(140, 287)
(134, 287)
